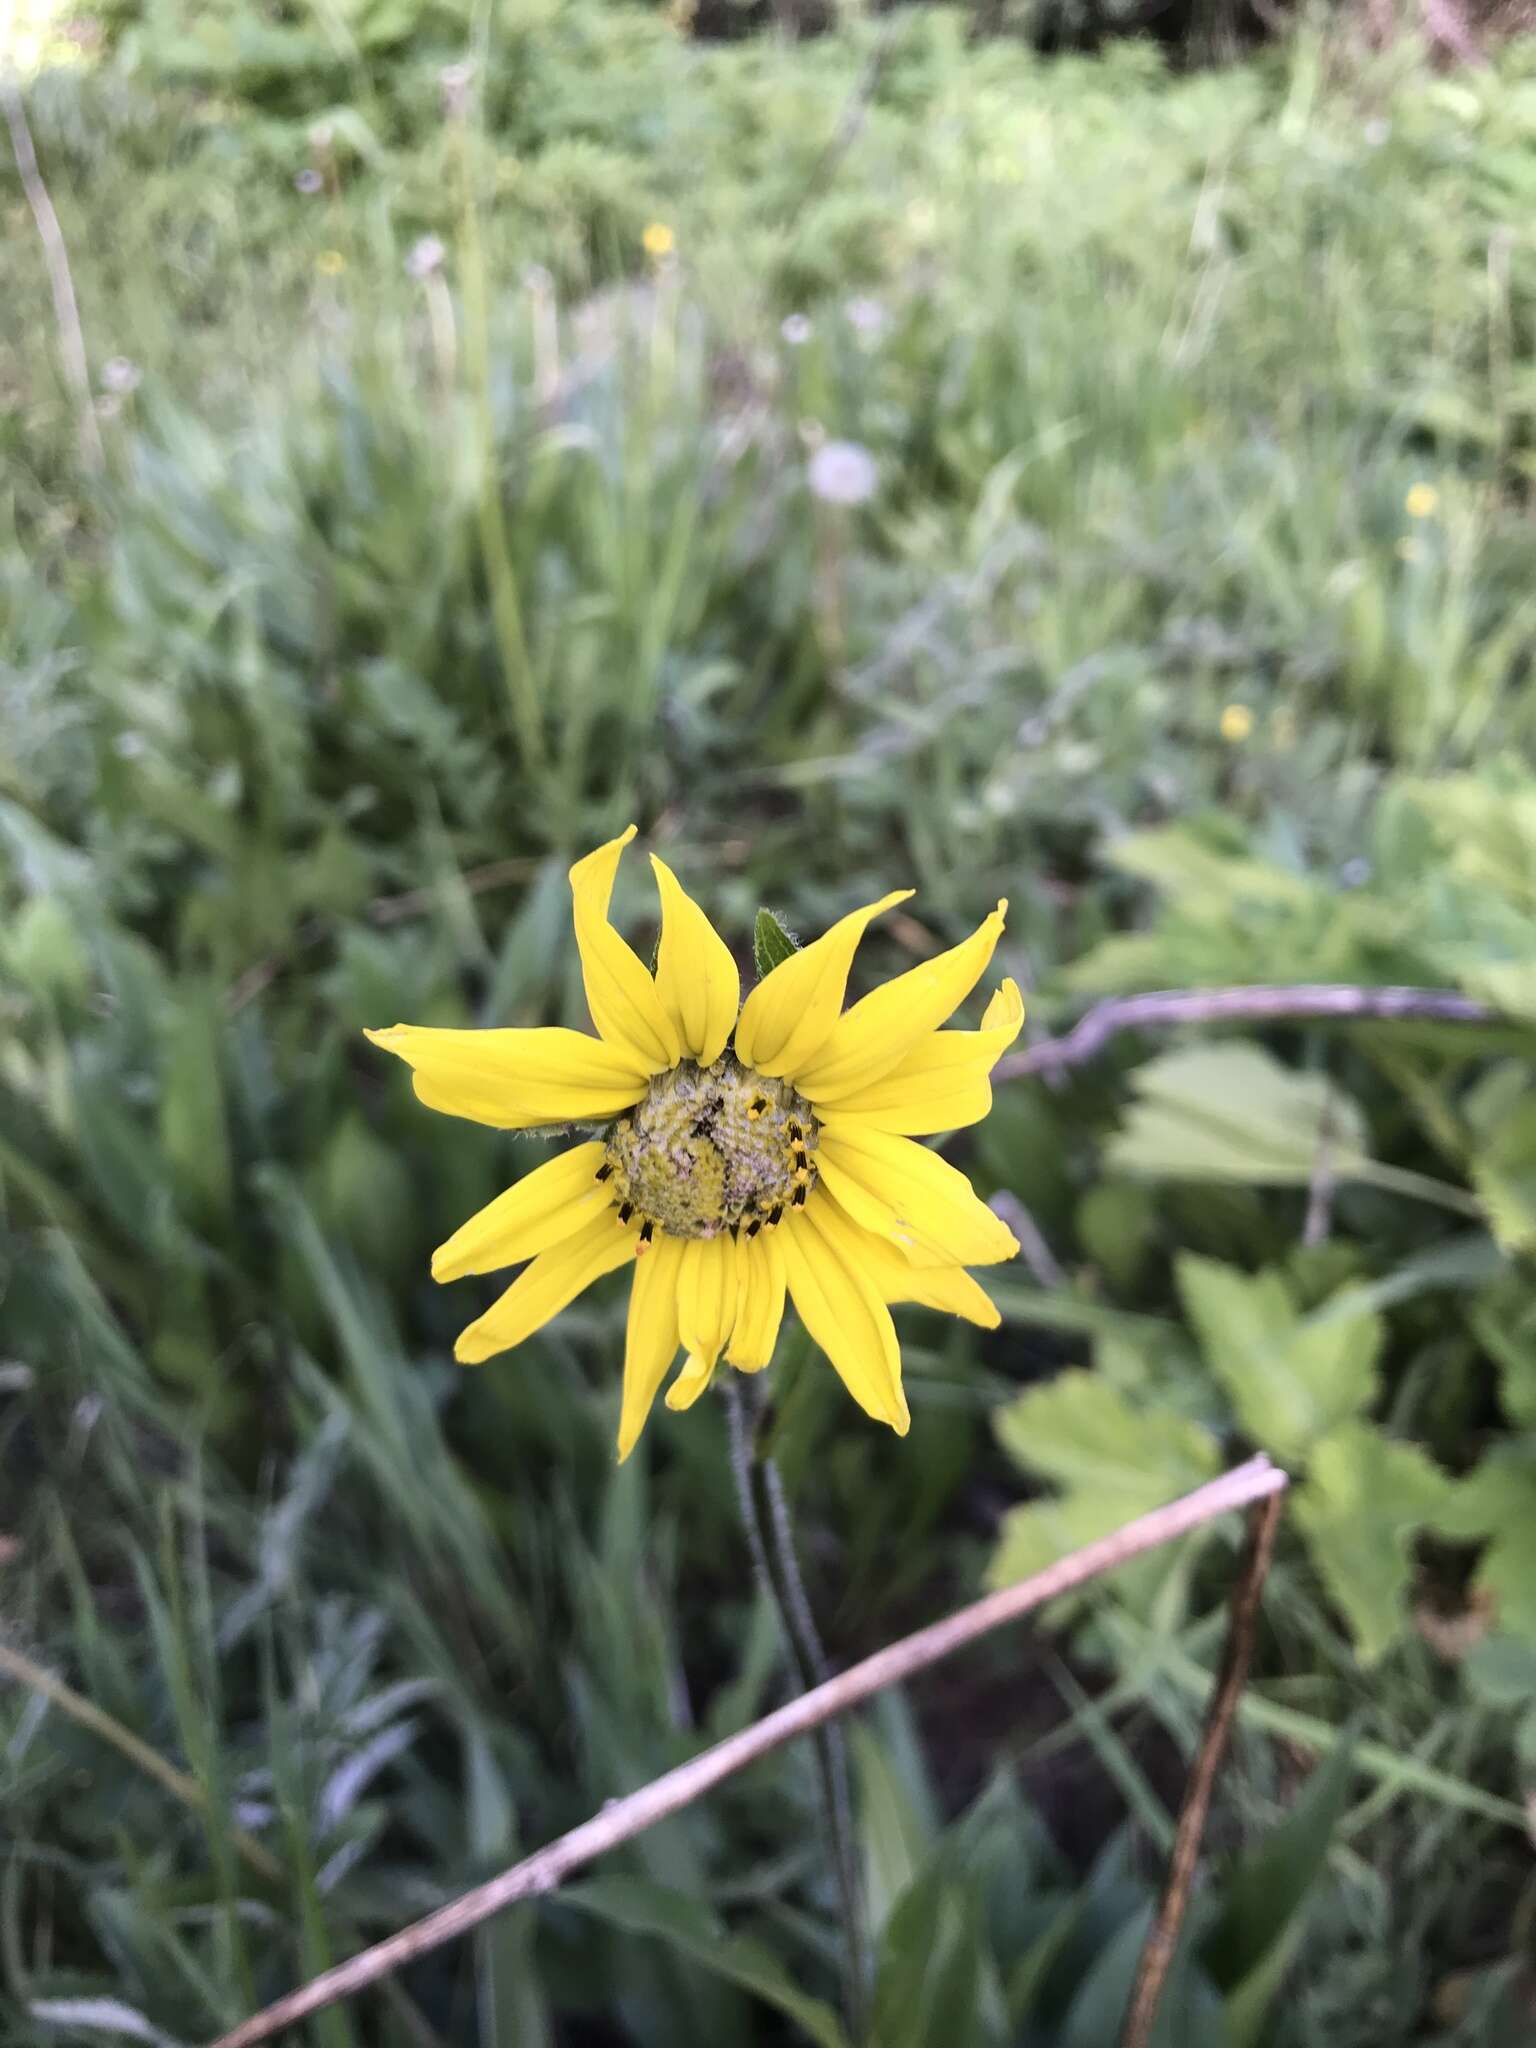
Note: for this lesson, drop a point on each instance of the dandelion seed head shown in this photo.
(843, 473)
(426, 256)
(796, 329)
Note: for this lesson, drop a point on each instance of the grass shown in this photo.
(394, 595)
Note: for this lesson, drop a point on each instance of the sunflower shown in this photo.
(740, 1150)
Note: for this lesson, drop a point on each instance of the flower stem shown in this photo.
(770, 1533)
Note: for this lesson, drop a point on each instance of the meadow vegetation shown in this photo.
(446, 496)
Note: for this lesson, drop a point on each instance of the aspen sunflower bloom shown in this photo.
(741, 1151)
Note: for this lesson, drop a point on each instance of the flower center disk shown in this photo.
(713, 1148)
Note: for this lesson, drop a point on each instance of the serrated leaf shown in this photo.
(1291, 1378)
(1231, 1112)
(771, 943)
(1502, 1111)
(1363, 1499)
(1497, 1502)
(639, 1907)
(1113, 1461)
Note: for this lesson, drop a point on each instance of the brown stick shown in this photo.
(1164, 1006)
(1163, 1935)
(56, 255)
(624, 1818)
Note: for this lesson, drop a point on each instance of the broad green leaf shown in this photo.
(1362, 1501)
(928, 1985)
(771, 943)
(1188, 2015)
(1292, 1378)
(895, 1836)
(1497, 1501)
(690, 1927)
(1113, 1462)
(1501, 1669)
(1231, 1112)
(1502, 1112)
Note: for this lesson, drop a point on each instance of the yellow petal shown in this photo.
(790, 1013)
(690, 1382)
(706, 1295)
(942, 1083)
(911, 1195)
(877, 1033)
(841, 1308)
(516, 1079)
(545, 1206)
(696, 977)
(650, 1340)
(949, 1288)
(620, 992)
(759, 1301)
(549, 1284)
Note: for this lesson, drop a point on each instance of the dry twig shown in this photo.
(1343, 1001)
(622, 1819)
(1163, 1935)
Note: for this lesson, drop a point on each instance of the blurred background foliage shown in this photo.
(444, 520)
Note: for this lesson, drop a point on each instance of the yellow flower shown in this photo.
(738, 1153)
(1422, 502)
(330, 263)
(1236, 723)
(658, 240)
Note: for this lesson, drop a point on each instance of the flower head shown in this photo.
(658, 240)
(739, 1151)
(843, 473)
(1236, 724)
(796, 329)
(330, 263)
(1422, 502)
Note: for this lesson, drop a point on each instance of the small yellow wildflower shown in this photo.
(1236, 723)
(330, 263)
(736, 1155)
(1422, 502)
(658, 240)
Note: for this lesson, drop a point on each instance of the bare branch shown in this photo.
(1161, 1007)
(622, 1819)
(1163, 1935)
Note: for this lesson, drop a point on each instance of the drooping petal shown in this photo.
(842, 1310)
(759, 1301)
(879, 1031)
(696, 977)
(789, 1015)
(690, 1382)
(549, 1284)
(515, 1080)
(906, 1193)
(949, 1288)
(706, 1295)
(650, 1340)
(942, 1084)
(541, 1209)
(620, 992)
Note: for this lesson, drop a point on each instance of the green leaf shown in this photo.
(1266, 1888)
(1292, 1378)
(1112, 1460)
(1501, 1669)
(1231, 1112)
(1502, 1112)
(639, 1907)
(1362, 1501)
(771, 943)
(1188, 2015)
(895, 1840)
(1498, 1501)
(928, 1984)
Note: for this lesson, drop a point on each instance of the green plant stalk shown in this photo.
(506, 606)
(770, 1538)
(180, 1784)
